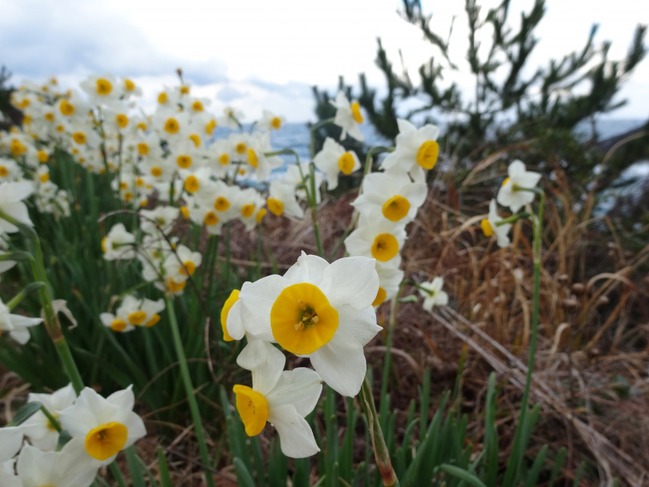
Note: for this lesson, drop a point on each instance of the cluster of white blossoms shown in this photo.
(67, 446)
(389, 200)
(516, 191)
(318, 310)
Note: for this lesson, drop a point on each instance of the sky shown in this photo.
(267, 54)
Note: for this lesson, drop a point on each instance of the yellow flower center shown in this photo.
(275, 206)
(487, 229)
(121, 120)
(163, 98)
(247, 210)
(210, 218)
(143, 149)
(49, 116)
(192, 184)
(104, 87)
(253, 160)
(79, 137)
(142, 126)
(50, 425)
(396, 208)
(44, 177)
(156, 171)
(171, 126)
(197, 106)
(210, 126)
(129, 85)
(276, 123)
(66, 108)
(152, 321)
(302, 320)
(184, 211)
(240, 148)
(260, 215)
(188, 268)
(227, 306)
(252, 407)
(4, 172)
(184, 161)
(427, 154)
(174, 286)
(137, 317)
(221, 203)
(224, 159)
(381, 294)
(17, 148)
(184, 89)
(118, 324)
(196, 139)
(506, 181)
(43, 156)
(346, 163)
(356, 112)
(106, 440)
(385, 247)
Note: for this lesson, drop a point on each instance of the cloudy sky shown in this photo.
(255, 54)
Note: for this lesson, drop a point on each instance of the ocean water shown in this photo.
(296, 135)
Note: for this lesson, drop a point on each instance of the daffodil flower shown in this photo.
(380, 239)
(433, 294)
(348, 117)
(333, 160)
(492, 226)
(38, 427)
(11, 204)
(318, 310)
(106, 425)
(277, 396)
(16, 325)
(416, 148)
(391, 195)
(514, 191)
(119, 244)
(66, 468)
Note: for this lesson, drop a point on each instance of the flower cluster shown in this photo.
(69, 444)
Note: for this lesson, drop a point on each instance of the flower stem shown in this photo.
(381, 453)
(189, 390)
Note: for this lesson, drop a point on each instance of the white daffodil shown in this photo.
(318, 310)
(380, 239)
(270, 121)
(433, 294)
(277, 396)
(16, 325)
(514, 191)
(118, 244)
(389, 281)
(415, 148)
(38, 428)
(161, 218)
(348, 117)
(491, 227)
(69, 467)
(107, 425)
(281, 200)
(333, 159)
(391, 195)
(12, 195)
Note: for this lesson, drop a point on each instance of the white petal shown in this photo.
(351, 281)
(257, 299)
(308, 268)
(295, 435)
(265, 362)
(341, 365)
(300, 387)
(357, 325)
(11, 438)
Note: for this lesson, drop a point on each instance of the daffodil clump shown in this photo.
(69, 439)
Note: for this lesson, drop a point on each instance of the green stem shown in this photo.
(189, 390)
(52, 325)
(381, 453)
(522, 430)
